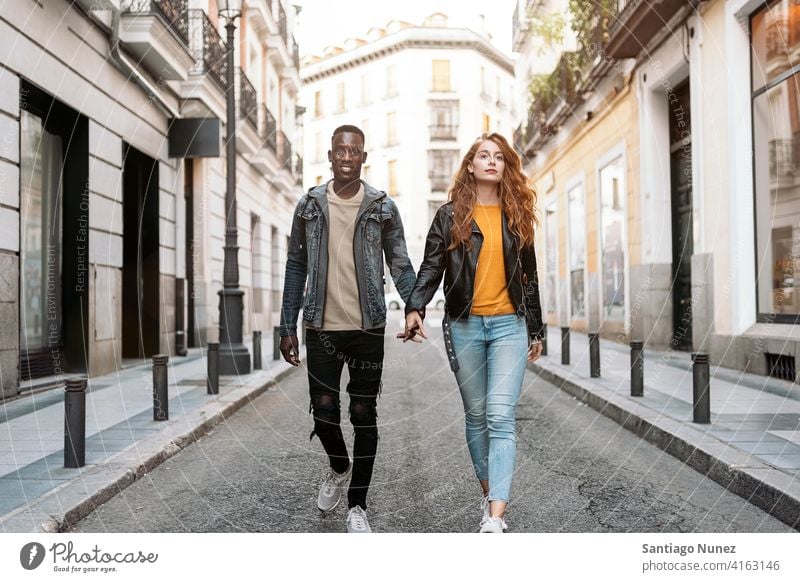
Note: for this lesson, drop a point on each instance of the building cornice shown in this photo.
(409, 38)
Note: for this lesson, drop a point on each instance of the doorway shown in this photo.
(140, 255)
(681, 200)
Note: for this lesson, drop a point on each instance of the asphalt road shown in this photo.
(577, 471)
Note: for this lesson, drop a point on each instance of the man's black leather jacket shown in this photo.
(458, 267)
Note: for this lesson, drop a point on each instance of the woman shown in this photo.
(481, 241)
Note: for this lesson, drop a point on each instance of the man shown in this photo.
(341, 233)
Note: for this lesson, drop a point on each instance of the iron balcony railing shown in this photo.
(173, 12)
(269, 130)
(283, 25)
(207, 47)
(286, 150)
(248, 100)
(443, 132)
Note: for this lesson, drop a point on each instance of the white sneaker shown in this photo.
(357, 521)
(493, 525)
(330, 492)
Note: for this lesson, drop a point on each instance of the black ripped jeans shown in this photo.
(327, 353)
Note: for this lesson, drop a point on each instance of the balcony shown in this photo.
(782, 158)
(269, 130)
(283, 24)
(248, 101)
(296, 55)
(156, 32)
(440, 182)
(443, 132)
(208, 49)
(636, 23)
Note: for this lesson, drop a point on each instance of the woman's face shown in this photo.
(487, 164)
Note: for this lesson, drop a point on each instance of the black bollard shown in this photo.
(637, 368)
(701, 389)
(544, 339)
(75, 423)
(256, 350)
(276, 343)
(212, 384)
(565, 346)
(594, 355)
(160, 388)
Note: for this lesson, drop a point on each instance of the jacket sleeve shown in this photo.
(396, 253)
(530, 290)
(295, 276)
(431, 270)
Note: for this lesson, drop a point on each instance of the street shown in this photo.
(577, 471)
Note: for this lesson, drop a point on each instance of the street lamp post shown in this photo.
(233, 355)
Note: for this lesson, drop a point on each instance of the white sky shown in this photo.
(323, 22)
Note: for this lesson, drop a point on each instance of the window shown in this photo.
(391, 80)
(340, 98)
(318, 148)
(776, 140)
(444, 119)
(551, 259)
(441, 76)
(365, 96)
(441, 168)
(486, 122)
(392, 171)
(612, 217)
(577, 250)
(391, 130)
(318, 104)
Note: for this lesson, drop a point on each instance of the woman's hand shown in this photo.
(534, 350)
(414, 329)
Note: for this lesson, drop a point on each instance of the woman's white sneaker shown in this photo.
(330, 492)
(357, 521)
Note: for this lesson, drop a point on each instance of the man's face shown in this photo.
(347, 156)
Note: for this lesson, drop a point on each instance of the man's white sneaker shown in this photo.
(493, 525)
(330, 492)
(357, 521)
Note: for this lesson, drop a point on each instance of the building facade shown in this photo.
(665, 167)
(421, 94)
(112, 178)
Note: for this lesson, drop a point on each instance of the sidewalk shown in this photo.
(123, 442)
(751, 447)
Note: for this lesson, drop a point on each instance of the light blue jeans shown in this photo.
(492, 354)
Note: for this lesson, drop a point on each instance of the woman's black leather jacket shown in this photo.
(458, 267)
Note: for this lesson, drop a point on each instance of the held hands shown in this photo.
(534, 350)
(290, 349)
(414, 331)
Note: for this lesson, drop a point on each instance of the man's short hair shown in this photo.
(348, 129)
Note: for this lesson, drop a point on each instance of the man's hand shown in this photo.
(413, 329)
(534, 350)
(290, 349)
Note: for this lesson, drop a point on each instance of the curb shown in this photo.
(766, 487)
(50, 513)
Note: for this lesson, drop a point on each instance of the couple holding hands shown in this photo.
(481, 243)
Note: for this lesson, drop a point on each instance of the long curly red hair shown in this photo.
(517, 196)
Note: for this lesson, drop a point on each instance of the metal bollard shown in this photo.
(256, 350)
(160, 388)
(212, 383)
(701, 388)
(594, 355)
(637, 368)
(544, 339)
(565, 346)
(276, 343)
(75, 423)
